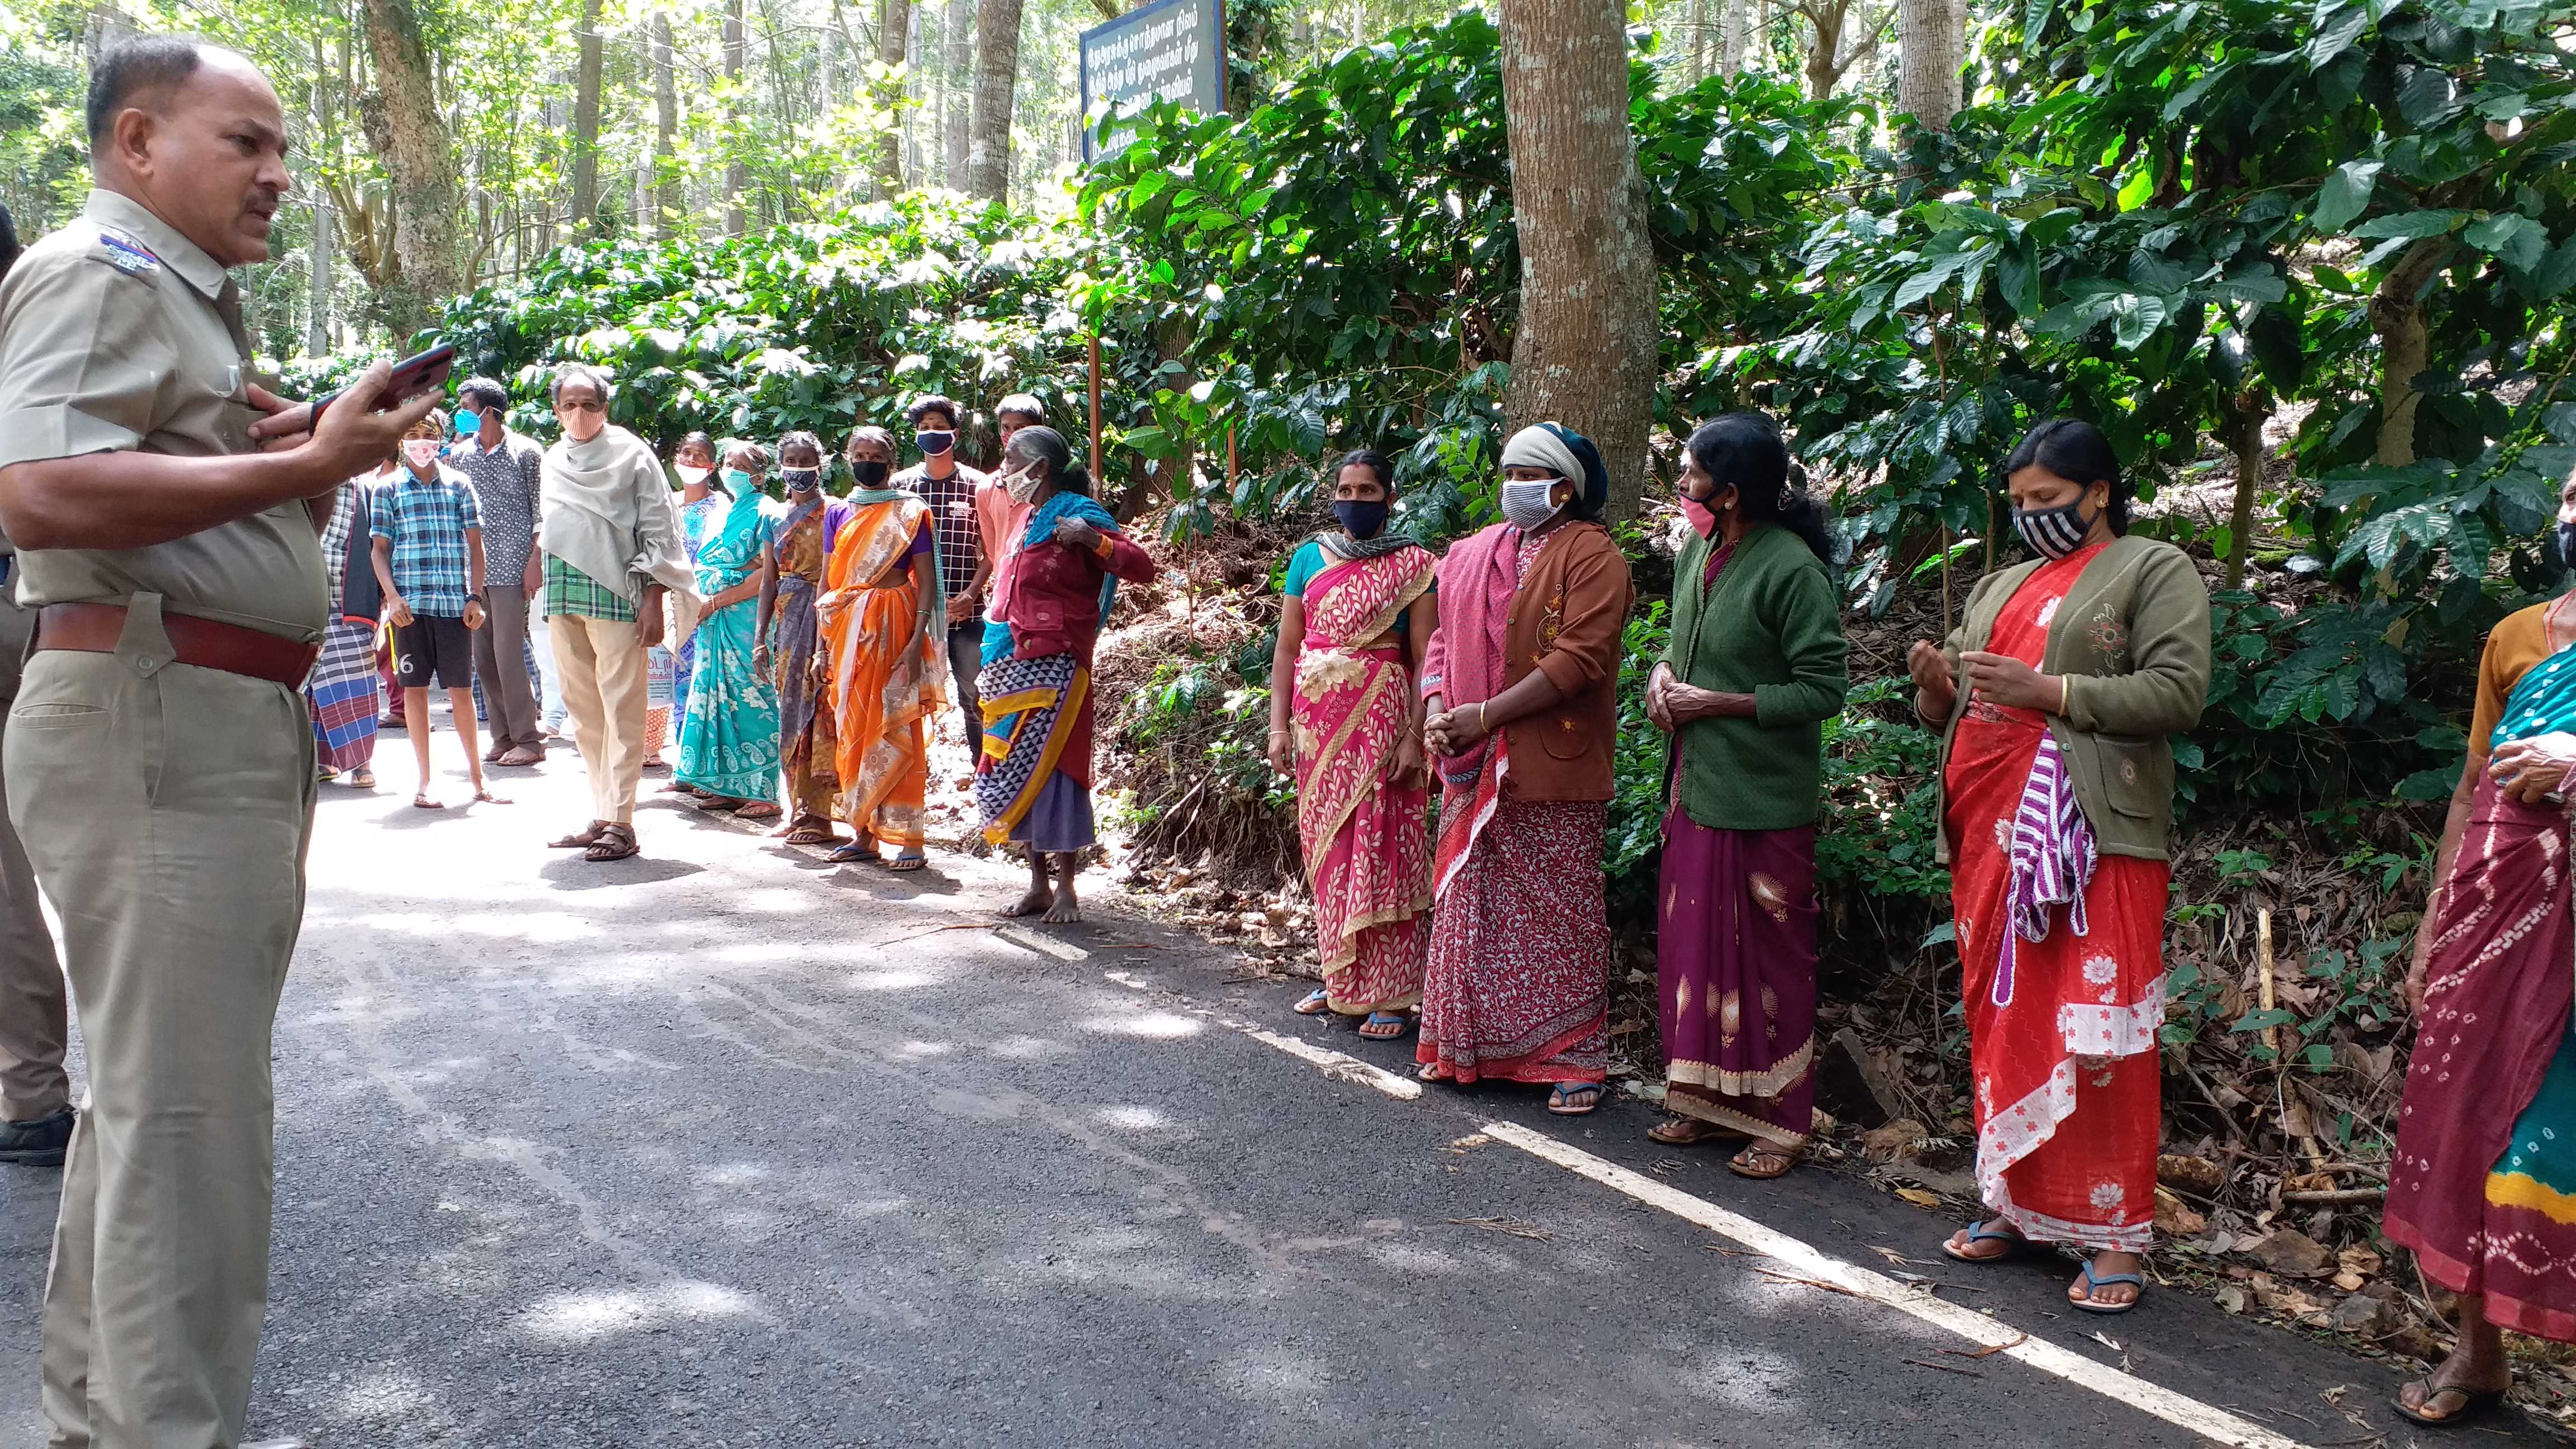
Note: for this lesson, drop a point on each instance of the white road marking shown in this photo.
(2180, 1410)
(1336, 1065)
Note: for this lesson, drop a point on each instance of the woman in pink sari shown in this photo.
(1345, 718)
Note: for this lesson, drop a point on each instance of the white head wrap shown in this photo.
(1536, 447)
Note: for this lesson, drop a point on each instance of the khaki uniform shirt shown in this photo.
(118, 333)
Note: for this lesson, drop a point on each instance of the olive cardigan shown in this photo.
(1770, 626)
(2132, 642)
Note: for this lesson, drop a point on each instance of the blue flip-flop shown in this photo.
(2093, 1281)
(1561, 1102)
(1397, 1018)
(1978, 1232)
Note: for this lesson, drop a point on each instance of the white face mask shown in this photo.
(1023, 485)
(693, 476)
(420, 452)
(1526, 503)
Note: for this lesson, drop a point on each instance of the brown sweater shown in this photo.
(1566, 621)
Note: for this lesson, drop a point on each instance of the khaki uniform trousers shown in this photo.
(602, 663)
(167, 810)
(35, 1024)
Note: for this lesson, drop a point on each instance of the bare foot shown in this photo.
(1039, 899)
(483, 795)
(422, 801)
(1066, 910)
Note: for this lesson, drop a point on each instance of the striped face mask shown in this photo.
(2053, 533)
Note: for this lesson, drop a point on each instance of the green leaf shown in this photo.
(2409, 225)
(2259, 1019)
(2512, 238)
(2343, 197)
(2336, 31)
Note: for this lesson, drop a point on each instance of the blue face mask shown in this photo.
(468, 423)
(736, 480)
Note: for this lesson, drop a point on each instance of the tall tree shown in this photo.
(1930, 50)
(959, 28)
(1732, 43)
(673, 201)
(585, 124)
(1584, 353)
(403, 121)
(997, 70)
(733, 56)
(894, 32)
(317, 266)
(1831, 24)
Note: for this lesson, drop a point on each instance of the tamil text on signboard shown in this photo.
(1172, 49)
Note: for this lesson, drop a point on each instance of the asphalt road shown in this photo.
(723, 1146)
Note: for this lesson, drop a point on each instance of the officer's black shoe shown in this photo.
(40, 1143)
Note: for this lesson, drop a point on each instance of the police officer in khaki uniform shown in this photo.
(159, 757)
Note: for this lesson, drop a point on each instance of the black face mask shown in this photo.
(1361, 519)
(2567, 544)
(801, 480)
(2053, 532)
(933, 444)
(870, 474)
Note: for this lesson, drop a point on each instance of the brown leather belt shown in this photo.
(98, 628)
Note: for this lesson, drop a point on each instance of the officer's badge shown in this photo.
(127, 255)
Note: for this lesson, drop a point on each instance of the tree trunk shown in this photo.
(1731, 45)
(411, 140)
(673, 201)
(2397, 315)
(959, 27)
(894, 29)
(733, 178)
(2245, 427)
(1585, 352)
(1929, 55)
(997, 70)
(585, 125)
(317, 267)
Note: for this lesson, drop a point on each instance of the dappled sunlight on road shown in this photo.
(587, 1317)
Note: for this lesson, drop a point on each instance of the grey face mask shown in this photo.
(2053, 533)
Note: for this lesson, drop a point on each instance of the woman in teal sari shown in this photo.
(2482, 1184)
(729, 737)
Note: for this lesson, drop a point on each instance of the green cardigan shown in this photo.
(1772, 627)
(2132, 639)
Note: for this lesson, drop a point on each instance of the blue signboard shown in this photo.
(1171, 49)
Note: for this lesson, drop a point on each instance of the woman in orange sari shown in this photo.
(1354, 624)
(881, 661)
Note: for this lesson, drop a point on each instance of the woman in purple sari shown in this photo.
(1754, 669)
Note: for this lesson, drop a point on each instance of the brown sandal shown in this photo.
(1763, 1161)
(757, 810)
(581, 839)
(615, 843)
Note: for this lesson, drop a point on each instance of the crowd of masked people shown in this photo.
(1450, 724)
(785, 652)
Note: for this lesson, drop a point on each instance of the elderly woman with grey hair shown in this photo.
(612, 549)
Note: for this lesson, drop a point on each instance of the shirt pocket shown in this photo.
(2133, 776)
(1563, 736)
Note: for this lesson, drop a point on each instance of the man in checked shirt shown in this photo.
(951, 488)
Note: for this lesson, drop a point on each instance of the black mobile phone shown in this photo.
(412, 376)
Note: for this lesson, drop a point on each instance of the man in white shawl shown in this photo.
(611, 544)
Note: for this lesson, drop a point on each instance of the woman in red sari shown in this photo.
(2057, 783)
(1355, 622)
(2482, 1187)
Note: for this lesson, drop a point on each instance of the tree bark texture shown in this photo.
(412, 144)
(2397, 315)
(997, 71)
(672, 201)
(894, 32)
(1930, 51)
(733, 178)
(317, 264)
(959, 28)
(585, 124)
(1585, 350)
(2245, 421)
(1731, 46)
